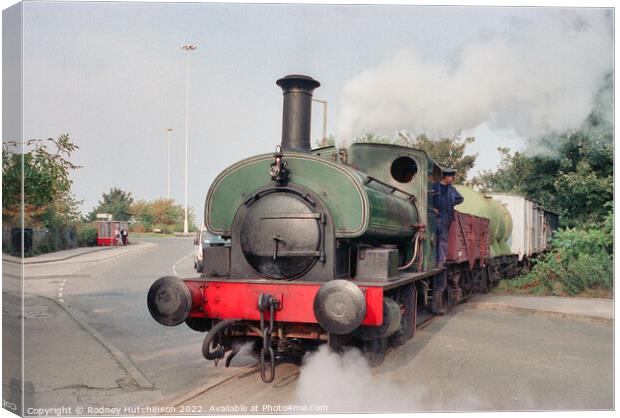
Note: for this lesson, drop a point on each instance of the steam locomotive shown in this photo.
(337, 246)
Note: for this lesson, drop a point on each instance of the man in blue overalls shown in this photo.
(445, 197)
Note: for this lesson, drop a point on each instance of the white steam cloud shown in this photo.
(346, 383)
(540, 79)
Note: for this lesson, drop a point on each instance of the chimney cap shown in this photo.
(292, 80)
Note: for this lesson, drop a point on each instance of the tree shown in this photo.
(161, 213)
(371, 138)
(528, 176)
(117, 203)
(63, 212)
(166, 212)
(582, 195)
(574, 179)
(47, 184)
(142, 212)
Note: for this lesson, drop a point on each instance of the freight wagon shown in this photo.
(533, 226)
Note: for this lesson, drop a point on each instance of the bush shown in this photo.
(87, 235)
(588, 271)
(47, 246)
(580, 259)
(190, 227)
(137, 227)
(164, 228)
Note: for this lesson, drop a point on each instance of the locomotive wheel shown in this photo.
(495, 274)
(374, 350)
(409, 301)
(484, 283)
(440, 302)
(484, 280)
(337, 342)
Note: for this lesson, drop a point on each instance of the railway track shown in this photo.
(424, 320)
(185, 399)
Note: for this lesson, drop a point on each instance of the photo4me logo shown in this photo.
(9, 405)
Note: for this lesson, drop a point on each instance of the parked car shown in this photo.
(203, 240)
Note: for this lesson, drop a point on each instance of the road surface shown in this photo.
(470, 360)
(103, 351)
(67, 365)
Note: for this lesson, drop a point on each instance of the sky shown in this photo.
(113, 76)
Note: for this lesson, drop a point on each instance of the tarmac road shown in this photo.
(472, 359)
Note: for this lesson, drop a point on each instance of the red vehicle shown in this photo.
(107, 229)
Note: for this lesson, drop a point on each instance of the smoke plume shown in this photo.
(542, 78)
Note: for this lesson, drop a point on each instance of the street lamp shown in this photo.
(324, 139)
(169, 130)
(189, 48)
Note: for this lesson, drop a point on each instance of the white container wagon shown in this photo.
(532, 226)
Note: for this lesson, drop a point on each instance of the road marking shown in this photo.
(61, 289)
(174, 266)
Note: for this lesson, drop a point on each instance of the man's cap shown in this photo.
(445, 171)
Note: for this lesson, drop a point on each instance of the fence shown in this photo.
(38, 240)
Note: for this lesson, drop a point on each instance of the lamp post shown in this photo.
(324, 103)
(189, 48)
(169, 130)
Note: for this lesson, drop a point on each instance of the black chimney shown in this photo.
(296, 115)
